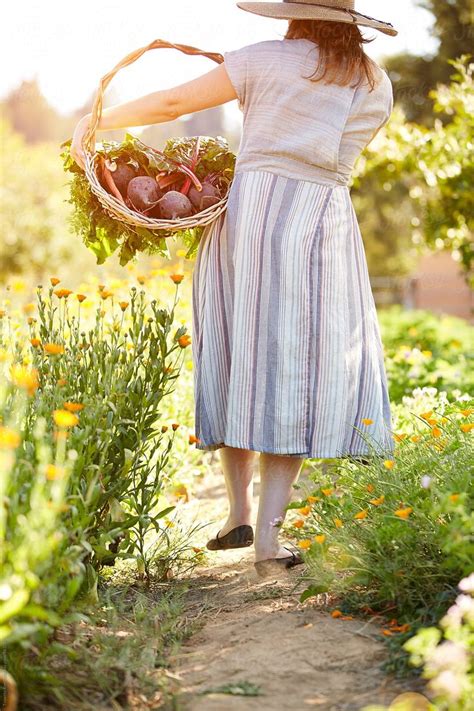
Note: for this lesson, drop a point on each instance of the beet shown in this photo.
(122, 175)
(143, 192)
(174, 205)
(209, 195)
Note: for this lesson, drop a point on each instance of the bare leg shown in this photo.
(278, 473)
(238, 466)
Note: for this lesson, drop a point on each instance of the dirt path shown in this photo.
(260, 643)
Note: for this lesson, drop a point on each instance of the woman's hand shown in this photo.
(77, 151)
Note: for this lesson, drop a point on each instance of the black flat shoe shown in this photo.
(240, 537)
(272, 565)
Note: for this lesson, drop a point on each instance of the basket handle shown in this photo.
(89, 137)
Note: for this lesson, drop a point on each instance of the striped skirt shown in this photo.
(286, 346)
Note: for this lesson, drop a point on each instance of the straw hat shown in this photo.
(331, 10)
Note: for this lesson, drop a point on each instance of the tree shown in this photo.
(414, 76)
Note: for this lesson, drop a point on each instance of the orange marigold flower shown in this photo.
(104, 294)
(367, 421)
(426, 415)
(35, 342)
(177, 278)
(327, 492)
(305, 510)
(304, 544)
(467, 427)
(415, 438)
(454, 498)
(184, 341)
(403, 513)
(175, 425)
(54, 281)
(28, 308)
(73, 406)
(370, 488)
(193, 439)
(123, 305)
(63, 293)
(141, 279)
(338, 523)
(164, 428)
(320, 538)
(360, 515)
(25, 378)
(54, 472)
(63, 418)
(81, 297)
(379, 501)
(100, 287)
(62, 382)
(9, 439)
(431, 421)
(312, 499)
(436, 432)
(2, 313)
(467, 412)
(389, 464)
(299, 523)
(53, 348)
(336, 614)
(400, 436)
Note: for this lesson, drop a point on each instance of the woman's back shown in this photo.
(300, 128)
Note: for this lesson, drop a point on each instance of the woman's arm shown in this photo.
(205, 92)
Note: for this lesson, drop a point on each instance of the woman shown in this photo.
(288, 360)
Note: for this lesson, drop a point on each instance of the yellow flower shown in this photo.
(28, 308)
(360, 515)
(123, 305)
(426, 415)
(54, 281)
(9, 439)
(467, 427)
(54, 472)
(427, 354)
(141, 279)
(389, 464)
(370, 488)
(299, 523)
(175, 426)
(177, 278)
(379, 501)
(81, 297)
(367, 421)
(415, 438)
(35, 342)
(436, 432)
(312, 499)
(73, 406)
(327, 492)
(63, 293)
(338, 523)
(305, 510)
(104, 294)
(304, 544)
(53, 348)
(454, 498)
(403, 513)
(467, 412)
(320, 538)
(25, 378)
(400, 436)
(62, 382)
(63, 418)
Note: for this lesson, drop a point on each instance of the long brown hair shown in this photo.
(341, 53)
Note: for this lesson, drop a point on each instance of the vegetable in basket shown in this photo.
(188, 176)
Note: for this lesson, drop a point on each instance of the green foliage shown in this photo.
(447, 654)
(425, 176)
(102, 234)
(32, 208)
(40, 566)
(425, 350)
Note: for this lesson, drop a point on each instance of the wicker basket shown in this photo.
(112, 205)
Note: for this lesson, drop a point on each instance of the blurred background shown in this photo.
(414, 214)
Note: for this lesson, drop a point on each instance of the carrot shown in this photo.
(109, 181)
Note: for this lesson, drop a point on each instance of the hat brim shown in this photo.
(303, 11)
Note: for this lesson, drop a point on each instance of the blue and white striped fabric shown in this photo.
(286, 344)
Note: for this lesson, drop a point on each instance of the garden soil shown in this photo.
(258, 647)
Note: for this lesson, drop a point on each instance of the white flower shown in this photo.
(447, 683)
(447, 655)
(426, 481)
(467, 584)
